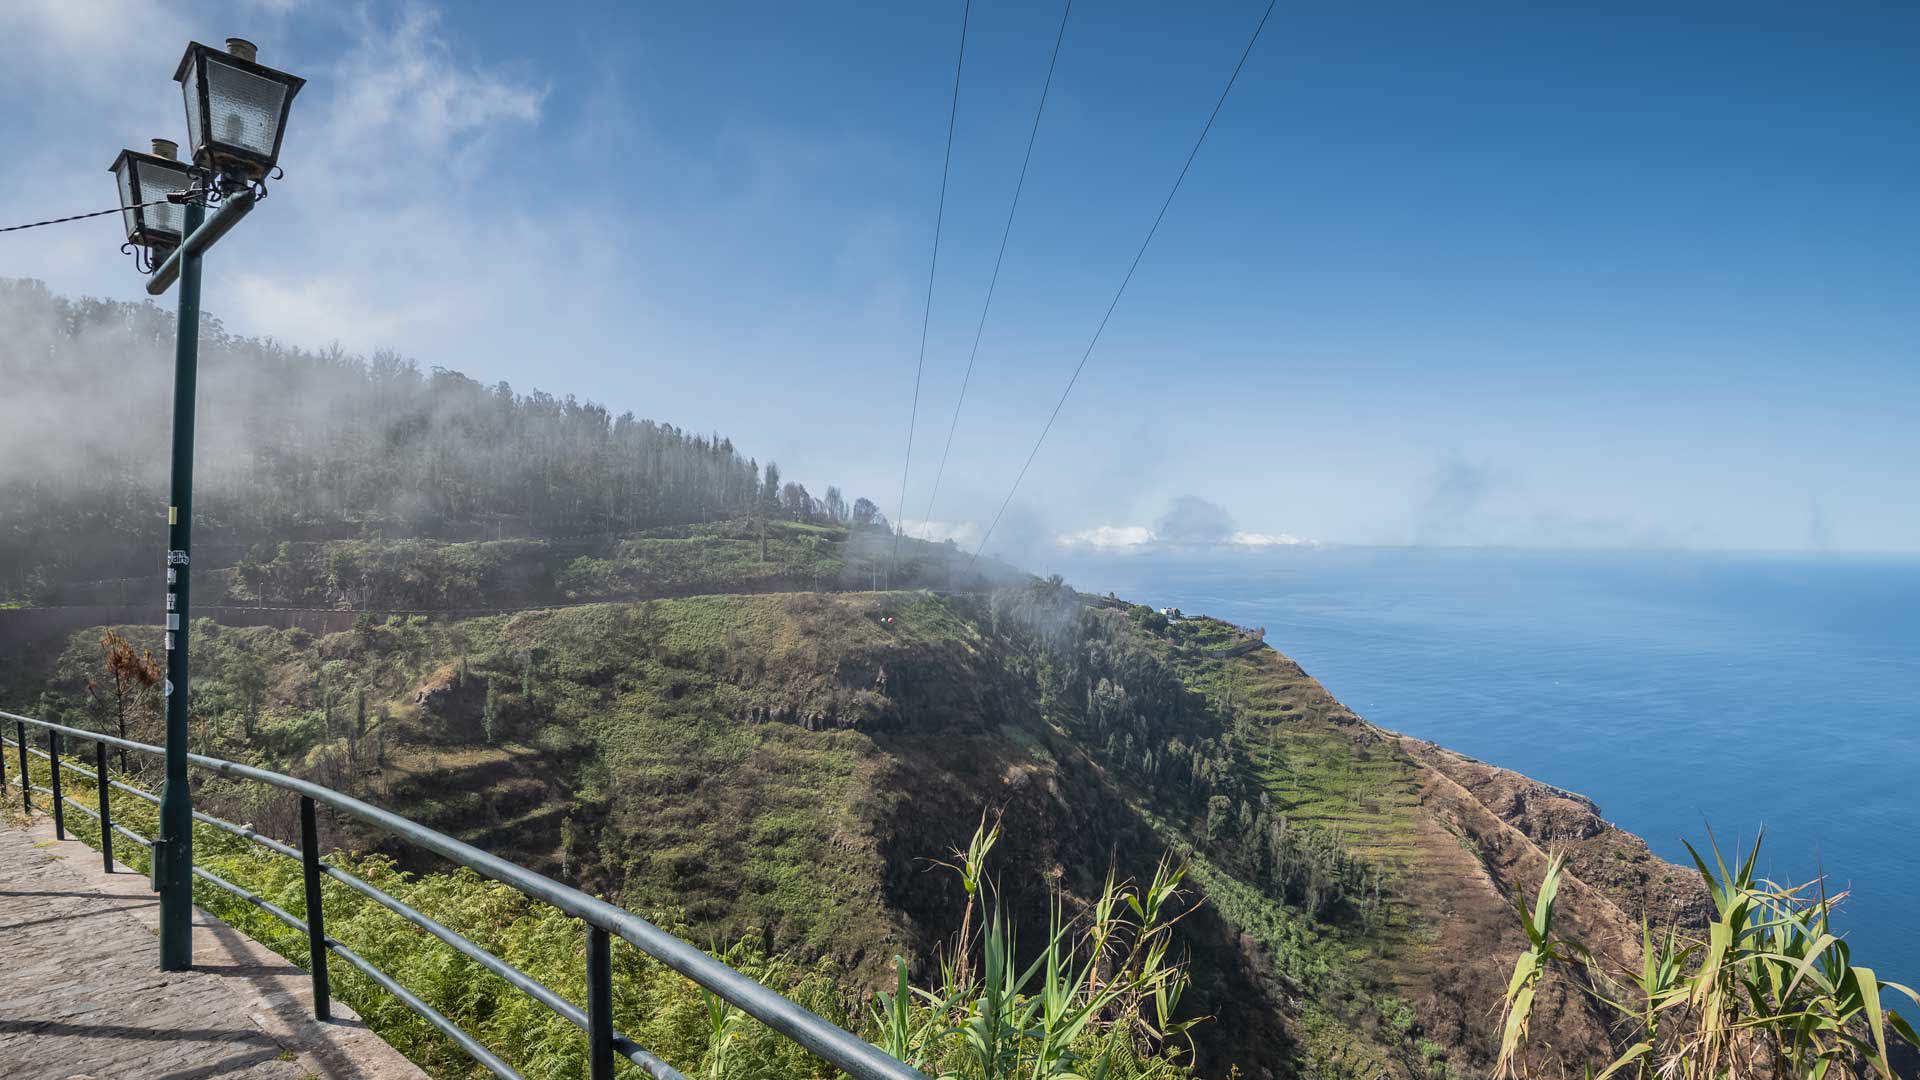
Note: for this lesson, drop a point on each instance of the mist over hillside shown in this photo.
(294, 444)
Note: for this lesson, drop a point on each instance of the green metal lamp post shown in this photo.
(236, 114)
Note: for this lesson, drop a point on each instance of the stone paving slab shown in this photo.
(82, 996)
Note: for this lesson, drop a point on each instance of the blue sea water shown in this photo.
(1678, 690)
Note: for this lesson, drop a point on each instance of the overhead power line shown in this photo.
(1020, 185)
(1121, 291)
(82, 217)
(939, 216)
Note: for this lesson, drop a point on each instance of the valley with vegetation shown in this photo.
(877, 775)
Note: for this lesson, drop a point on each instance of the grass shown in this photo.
(1102, 998)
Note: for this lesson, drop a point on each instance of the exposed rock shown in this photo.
(1609, 859)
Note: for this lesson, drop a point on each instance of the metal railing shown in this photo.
(823, 1039)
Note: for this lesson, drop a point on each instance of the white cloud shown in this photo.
(1258, 539)
(1140, 539)
(405, 101)
(960, 532)
(392, 228)
(403, 222)
(313, 309)
(92, 44)
(1191, 524)
(1108, 537)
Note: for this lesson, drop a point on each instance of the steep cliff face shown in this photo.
(1617, 863)
(1449, 841)
(790, 764)
(1504, 826)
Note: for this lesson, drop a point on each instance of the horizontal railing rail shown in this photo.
(818, 1036)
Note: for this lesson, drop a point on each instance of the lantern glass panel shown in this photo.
(156, 180)
(243, 108)
(124, 176)
(196, 138)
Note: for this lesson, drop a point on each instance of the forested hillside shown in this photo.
(299, 445)
(639, 661)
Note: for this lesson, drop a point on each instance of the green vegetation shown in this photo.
(1101, 998)
(773, 766)
(744, 554)
(1767, 990)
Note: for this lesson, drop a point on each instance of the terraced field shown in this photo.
(1366, 795)
(1325, 768)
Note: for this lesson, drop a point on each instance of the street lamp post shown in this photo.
(236, 115)
(173, 847)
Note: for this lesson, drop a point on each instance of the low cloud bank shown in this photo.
(1107, 537)
(1191, 523)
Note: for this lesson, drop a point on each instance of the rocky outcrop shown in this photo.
(1617, 863)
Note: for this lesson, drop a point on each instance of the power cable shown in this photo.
(967, 379)
(80, 217)
(1195, 152)
(946, 165)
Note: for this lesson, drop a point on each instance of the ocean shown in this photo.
(1678, 690)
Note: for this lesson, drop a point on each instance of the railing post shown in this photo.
(316, 920)
(26, 777)
(59, 804)
(106, 815)
(599, 1004)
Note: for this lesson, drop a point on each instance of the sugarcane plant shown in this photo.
(1099, 1000)
(1768, 990)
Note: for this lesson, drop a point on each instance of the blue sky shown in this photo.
(1461, 274)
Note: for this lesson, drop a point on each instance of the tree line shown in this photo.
(319, 444)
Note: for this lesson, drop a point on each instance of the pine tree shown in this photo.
(359, 729)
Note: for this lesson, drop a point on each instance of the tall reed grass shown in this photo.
(1767, 990)
(1100, 1000)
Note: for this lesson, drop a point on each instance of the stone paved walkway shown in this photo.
(82, 996)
